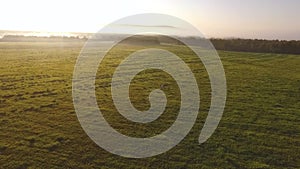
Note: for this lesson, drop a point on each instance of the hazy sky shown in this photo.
(270, 19)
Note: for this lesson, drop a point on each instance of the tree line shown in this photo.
(257, 45)
(240, 45)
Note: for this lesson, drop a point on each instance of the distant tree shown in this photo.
(257, 45)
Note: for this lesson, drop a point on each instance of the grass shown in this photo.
(39, 128)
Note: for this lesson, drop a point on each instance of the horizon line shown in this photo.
(73, 34)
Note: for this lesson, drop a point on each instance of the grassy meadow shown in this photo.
(39, 128)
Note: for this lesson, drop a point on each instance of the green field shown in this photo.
(39, 128)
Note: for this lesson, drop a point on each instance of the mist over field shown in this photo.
(40, 128)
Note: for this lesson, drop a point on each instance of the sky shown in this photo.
(262, 19)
